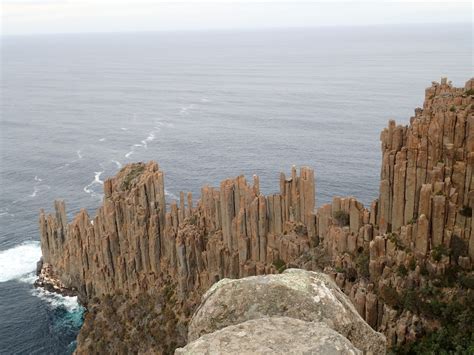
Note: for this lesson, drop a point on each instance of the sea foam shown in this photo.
(19, 260)
(55, 300)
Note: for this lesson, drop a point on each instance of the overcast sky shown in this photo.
(64, 16)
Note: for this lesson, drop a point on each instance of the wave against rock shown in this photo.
(136, 254)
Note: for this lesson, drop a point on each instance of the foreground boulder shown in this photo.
(275, 335)
(299, 294)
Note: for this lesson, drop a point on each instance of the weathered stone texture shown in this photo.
(426, 196)
(274, 335)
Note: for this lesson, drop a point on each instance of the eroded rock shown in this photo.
(299, 294)
(274, 335)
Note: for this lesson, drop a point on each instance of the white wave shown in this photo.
(119, 164)
(39, 188)
(35, 191)
(102, 140)
(97, 181)
(28, 278)
(129, 154)
(97, 177)
(56, 300)
(137, 145)
(19, 260)
(124, 129)
(171, 195)
(79, 155)
(37, 178)
(205, 99)
(185, 109)
(150, 137)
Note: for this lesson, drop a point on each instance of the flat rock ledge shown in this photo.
(298, 294)
(274, 335)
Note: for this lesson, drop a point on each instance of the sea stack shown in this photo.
(142, 263)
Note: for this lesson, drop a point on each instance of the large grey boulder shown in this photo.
(275, 335)
(299, 294)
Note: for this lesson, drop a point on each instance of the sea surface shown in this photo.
(206, 106)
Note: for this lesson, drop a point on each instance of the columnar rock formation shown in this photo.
(423, 211)
(137, 245)
(133, 240)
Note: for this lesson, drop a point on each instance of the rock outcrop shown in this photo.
(275, 335)
(417, 235)
(299, 294)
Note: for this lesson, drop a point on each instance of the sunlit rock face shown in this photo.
(299, 294)
(138, 246)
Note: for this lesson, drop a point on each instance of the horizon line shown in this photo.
(226, 29)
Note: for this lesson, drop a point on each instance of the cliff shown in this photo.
(139, 254)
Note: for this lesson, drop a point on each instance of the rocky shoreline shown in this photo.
(49, 281)
(405, 262)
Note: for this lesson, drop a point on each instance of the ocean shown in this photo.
(206, 106)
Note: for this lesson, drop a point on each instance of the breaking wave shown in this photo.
(19, 260)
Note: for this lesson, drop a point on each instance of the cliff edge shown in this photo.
(141, 266)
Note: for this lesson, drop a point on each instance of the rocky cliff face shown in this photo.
(141, 251)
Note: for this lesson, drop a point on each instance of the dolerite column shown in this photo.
(262, 227)
(278, 214)
(439, 209)
(425, 201)
(422, 235)
(399, 190)
(410, 186)
(384, 206)
(307, 198)
(227, 211)
(189, 210)
(254, 236)
(182, 210)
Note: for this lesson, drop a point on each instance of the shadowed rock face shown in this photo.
(135, 245)
(275, 335)
(304, 295)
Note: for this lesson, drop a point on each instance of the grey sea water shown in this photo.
(206, 106)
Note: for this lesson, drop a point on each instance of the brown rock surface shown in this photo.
(137, 246)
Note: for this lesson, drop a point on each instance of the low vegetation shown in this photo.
(466, 211)
(342, 218)
(135, 171)
(279, 265)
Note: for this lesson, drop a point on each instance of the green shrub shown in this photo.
(467, 281)
(438, 251)
(452, 108)
(390, 296)
(393, 237)
(458, 247)
(342, 218)
(402, 270)
(193, 220)
(469, 92)
(362, 263)
(423, 270)
(279, 265)
(136, 171)
(455, 334)
(466, 211)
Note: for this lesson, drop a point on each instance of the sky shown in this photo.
(20, 17)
